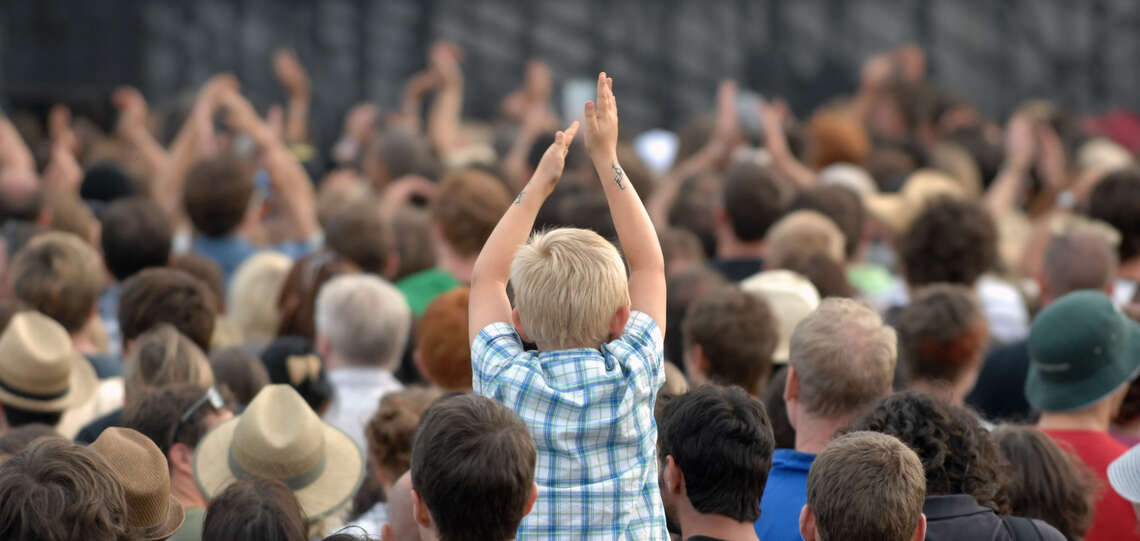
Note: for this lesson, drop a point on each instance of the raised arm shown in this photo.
(489, 303)
(634, 228)
(132, 127)
(292, 76)
(444, 117)
(14, 152)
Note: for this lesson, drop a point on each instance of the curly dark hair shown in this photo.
(950, 241)
(957, 453)
(1116, 200)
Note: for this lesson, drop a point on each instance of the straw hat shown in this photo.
(849, 176)
(280, 437)
(142, 470)
(39, 371)
(897, 210)
(791, 297)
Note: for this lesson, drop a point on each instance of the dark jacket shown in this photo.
(959, 518)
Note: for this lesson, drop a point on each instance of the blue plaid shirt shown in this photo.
(590, 412)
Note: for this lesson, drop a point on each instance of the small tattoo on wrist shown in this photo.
(518, 200)
(618, 176)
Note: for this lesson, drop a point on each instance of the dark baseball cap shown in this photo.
(1081, 349)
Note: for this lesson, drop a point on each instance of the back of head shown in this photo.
(1046, 482)
(239, 371)
(685, 287)
(568, 285)
(473, 466)
(1116, 200)
(392, 428)
(217, 194)
(255, 509)
(16, 439)
(55, 490)
(866, 486)
(253, 293)
(835, 136)
(469, 205)
(157, 414)
(443, 349)
(59, 275)
(721, 439)
(361, 235)
(163, 356)
(297, 304)
(311, 381)
(752, 201)
(844, 357)
(365, 319)
(206, 271)
(957, 452)
(802, 231)
(951, 241)
(737, 334)
(171, 296)
(842, 206)
(825, 273)
(942, 334)
(135, 236)
(1077, 260)
(695, 209)
(413, 231)
(71, 215)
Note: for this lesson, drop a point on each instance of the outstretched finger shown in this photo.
(568, 136)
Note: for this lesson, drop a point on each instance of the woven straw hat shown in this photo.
(39, 371)
(280, 437)
(791, 297)
(141, 468)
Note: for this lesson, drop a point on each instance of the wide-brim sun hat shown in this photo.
(1124, 475)
(39, 370)
(278, 436)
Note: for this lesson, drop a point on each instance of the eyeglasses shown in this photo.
(212, 397)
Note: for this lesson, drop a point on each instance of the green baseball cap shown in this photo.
(1081, 349)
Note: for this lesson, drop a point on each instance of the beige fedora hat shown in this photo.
(142, 470)
(39, 371)
(280, 437)
(791, 297)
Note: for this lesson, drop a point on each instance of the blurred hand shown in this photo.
(1019, 142)
(539, 84)
(444, 59)
(59, 129)
(911, 62)
(550, 167)
(291, 73)
(601, 121)
(726, 130)
(243, 118)
(877, 71)
(360, 124)
(1052, 163)
(132, 111)
(62, 172)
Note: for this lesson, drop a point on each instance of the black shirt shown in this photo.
(958, 517)
(999, 393)
(737, 270)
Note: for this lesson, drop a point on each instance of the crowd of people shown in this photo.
(893, 320)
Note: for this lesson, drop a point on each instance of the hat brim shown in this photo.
(175, 516)
(337, 484)
(1047, 395)
(888, 209)
(80, 389)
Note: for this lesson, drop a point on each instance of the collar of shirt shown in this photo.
(952, 505)
(361, 376)
(792, 460)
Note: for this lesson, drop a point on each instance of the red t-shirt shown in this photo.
(1113, 519)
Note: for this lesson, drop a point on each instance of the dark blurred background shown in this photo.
(667, 55)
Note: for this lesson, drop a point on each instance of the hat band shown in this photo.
(297, 482)
(33, 396)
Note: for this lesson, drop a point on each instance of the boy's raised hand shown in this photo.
(601, 121)
(550, 167)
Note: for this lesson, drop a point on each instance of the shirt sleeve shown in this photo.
(644, 336)
(492, 352)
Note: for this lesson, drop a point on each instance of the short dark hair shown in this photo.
(360, 234)
(752, 201)
(158, 415)
(206, 271)
(59, 275)
(685, 287)
(136, 235)
(55, 490)
(721, 439)
(255, 509)
(473, 465)
(958, 454)
(171, 296)
(736, 331)
(297, 301)
(1116, 201)
(275, 357)
(942, 333)
(695, 207)
(866, 486)
(777, 409)
(1046, 482)
(217, 195)
(239, 371)
(841, 205)
(950, 241)
(468, 206)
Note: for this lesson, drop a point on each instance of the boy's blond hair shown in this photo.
(568, 285)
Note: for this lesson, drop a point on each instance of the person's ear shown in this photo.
(807, 524)
(696, 364)
(386, 533)
(617, 324)
(420, 510)
(920, 532)
(181, 458)
(674, 478)
(792, 386)
(392, 266)
(323, 346)
(516, 320)
(533, 498)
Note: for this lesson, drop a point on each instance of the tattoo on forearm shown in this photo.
(518, 200)
(618, 176)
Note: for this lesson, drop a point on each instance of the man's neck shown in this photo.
(185, 490)
(813, 433)
(952, 393)
(1095, 419)
(729, 247)
(459, 266)
(715, 526)
(1129, 270)
(82, 344)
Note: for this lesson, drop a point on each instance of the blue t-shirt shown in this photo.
(784, 496)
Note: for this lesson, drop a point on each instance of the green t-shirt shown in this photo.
(191, 529)
(421, 288)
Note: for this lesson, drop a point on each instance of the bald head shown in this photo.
(1077, 260)
(20, 195)
(401, 522)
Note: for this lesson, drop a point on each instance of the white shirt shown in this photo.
(357, 391)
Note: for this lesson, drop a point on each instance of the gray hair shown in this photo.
(365, 318)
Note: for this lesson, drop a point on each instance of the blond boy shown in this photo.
(587, 394)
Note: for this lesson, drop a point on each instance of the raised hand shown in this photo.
(291, 73)
(601, 122)
(1019, 142)
(550, 167)
(444, 59)
(132, 111)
